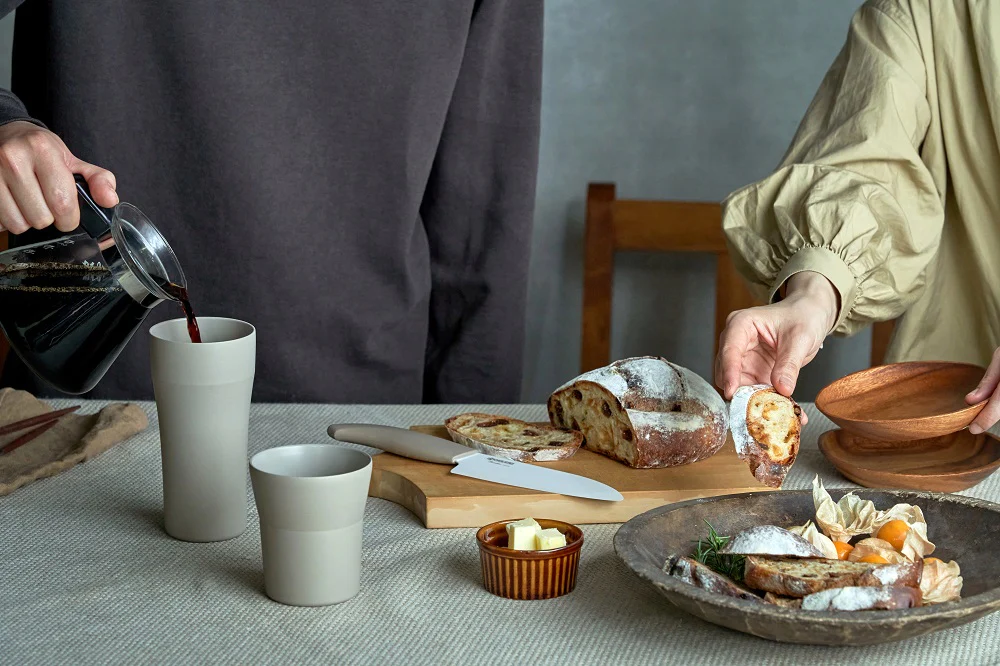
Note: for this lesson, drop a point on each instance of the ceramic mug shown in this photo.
(311, 502)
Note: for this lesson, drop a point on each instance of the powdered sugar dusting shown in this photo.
(606, 377)
(847, 598)
(665, 421)
(770, 540)
(738, 418)
(890, 574)
(655, 378)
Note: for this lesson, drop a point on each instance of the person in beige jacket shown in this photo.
(886, 205)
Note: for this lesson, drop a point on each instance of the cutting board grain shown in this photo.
(442, 499)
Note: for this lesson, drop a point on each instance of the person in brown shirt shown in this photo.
(886, 204)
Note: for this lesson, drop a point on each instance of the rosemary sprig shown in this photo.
(707, 552)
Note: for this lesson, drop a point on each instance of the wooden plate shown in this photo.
(903, 401)
(964, 529)
(949, 463)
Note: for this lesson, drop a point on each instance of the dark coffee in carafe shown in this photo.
(67, 322)
(69, 305)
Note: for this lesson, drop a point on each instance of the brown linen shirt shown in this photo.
(890, 187)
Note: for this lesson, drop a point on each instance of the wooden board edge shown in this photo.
(390, 486)
(451, 513)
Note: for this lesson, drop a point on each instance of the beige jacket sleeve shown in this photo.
(852, 199)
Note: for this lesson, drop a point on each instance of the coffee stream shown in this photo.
(69, 321)
(181, 295)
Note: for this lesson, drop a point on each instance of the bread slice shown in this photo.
(766, 430)
(863, 598)
(770, 540)
(695, 573)
(513, 439)
(793, 577)
(784, 602)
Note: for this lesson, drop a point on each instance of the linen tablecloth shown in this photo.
(89, 576)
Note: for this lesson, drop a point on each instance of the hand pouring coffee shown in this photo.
(70, 305)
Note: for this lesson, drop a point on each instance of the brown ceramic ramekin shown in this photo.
(529, 574)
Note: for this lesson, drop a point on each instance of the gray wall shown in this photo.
(670, 99)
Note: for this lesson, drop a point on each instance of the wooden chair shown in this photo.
(614, 225)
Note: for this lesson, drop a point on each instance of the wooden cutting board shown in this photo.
(442, 499)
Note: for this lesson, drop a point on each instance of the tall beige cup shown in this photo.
(203, 403)
(311, 502)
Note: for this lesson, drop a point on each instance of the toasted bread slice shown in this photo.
(770, 540)
(505, 437)
(695, 573)
(886, 597)
(792, 577)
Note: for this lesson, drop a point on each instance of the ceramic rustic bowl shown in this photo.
(529, 574)
(964, 529)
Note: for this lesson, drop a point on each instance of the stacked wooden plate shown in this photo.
(906, 426)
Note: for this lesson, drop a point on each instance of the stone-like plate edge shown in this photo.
(788, 625)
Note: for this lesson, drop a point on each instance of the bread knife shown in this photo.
(472, 463)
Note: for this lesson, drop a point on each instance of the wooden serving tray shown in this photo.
(442, 499)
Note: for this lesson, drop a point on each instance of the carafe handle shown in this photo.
(96, 221)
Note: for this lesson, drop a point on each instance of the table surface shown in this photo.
(89, 576)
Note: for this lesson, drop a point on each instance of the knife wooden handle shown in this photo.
(402, 442)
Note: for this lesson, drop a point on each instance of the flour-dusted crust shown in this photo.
(770, 540)
(514, 439)
(697, 574)
(766, 431)
(863, 598)
(644, 412)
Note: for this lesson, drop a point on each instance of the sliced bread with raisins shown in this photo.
(766, 430)
(794, 577)
(505, 437)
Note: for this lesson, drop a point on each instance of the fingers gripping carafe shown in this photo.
(69, 306)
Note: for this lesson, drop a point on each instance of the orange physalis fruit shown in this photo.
(894, 532)
(843, 549)
(874, 559)
(931, 560)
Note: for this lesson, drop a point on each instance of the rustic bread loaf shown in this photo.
(511, 438)
(695, 573)
(792, 577)
(644, 412)
(770, 540)
(863, 598)
(766, 430)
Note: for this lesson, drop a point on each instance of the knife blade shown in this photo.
(472, 463)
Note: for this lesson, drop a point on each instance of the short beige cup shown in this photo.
(202, 396)
(311, 501)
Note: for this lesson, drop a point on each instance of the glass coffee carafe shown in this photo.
(69, 306)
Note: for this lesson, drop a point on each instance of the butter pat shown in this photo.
(549, 539)
(521, 534)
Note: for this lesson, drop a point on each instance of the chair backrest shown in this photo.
(614, 225)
